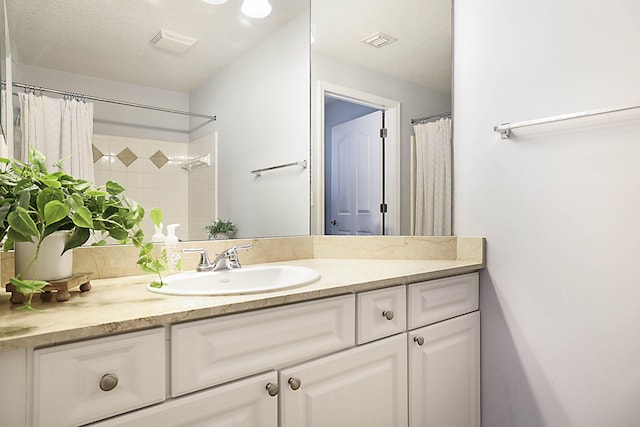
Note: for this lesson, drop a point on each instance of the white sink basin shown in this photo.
(245, 280)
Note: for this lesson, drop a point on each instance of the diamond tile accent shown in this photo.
(97, 154)
(159, 159)
(127, 156)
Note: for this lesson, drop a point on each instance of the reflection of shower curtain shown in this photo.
(58, 128)
(433, 178)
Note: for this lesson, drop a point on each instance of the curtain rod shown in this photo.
(427, 118)
(111, 101)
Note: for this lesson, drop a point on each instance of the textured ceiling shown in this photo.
(110, 39)
(422, 53)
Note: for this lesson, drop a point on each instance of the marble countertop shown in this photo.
(124, 304)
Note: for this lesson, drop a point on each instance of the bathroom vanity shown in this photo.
(374, 342)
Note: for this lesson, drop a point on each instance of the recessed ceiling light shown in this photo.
(378, 39)
(215, 1)
(256, 8)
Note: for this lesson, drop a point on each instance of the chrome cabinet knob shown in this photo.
(295, 383)
(418, 340)
(108, 382)
(388, 314)
(273, 389)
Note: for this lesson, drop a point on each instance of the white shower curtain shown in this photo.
(59, 129)
(433, 178)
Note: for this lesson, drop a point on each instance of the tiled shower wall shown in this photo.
(151, 172)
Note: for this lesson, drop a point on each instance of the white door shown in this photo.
(243, 403)
(365, 386)
(444, 373)
(355, 179)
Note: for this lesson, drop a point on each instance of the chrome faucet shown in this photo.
(227, 260)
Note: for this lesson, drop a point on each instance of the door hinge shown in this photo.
(383, 208)
(383, 133)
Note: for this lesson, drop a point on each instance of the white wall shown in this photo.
(559, 206)
(415, 101)
(262, 106)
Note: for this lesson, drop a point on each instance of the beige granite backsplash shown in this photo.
(120, 260)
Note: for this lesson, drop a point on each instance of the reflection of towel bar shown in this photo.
(197, 161)
(258, 172)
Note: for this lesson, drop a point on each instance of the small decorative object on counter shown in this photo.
(173, 254)
(158, 235)
(221, 229)
(61, 287)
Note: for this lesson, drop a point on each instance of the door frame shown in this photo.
(392, 152)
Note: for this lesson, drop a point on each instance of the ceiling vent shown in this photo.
(378, 39)
(172, 41)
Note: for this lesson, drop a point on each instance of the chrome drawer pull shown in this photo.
(388, 314)
(418, 340)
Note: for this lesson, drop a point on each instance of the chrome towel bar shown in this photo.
(258, 172)
(505, 128)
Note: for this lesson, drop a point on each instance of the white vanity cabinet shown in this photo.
(404, 355)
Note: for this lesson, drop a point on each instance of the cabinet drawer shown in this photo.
(82, 382)
(213, 351)
(441, 299)
(381, 313)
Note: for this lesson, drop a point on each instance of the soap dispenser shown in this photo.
(174, 257)
(158, 236)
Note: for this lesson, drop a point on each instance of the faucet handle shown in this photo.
(247, 246)
(232, 255)
(205, 264)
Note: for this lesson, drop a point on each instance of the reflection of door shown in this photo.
(355, 180)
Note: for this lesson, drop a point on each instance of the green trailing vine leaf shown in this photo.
(114, 188)
(55, 211)
(82, 217)
(21, 222)
(156, 216)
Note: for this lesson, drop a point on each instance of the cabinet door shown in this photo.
(361, 387)
(444, 373)
(244, 403)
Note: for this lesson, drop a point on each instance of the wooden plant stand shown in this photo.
(61, 287)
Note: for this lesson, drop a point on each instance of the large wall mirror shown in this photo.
(368, 61)
(266, 80)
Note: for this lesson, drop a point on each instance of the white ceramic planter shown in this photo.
(51, 264)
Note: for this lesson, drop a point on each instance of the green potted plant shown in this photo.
(221, 229)
(36, 204)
